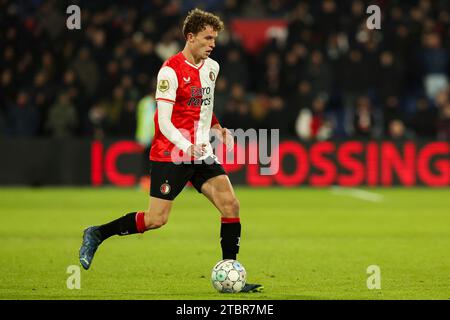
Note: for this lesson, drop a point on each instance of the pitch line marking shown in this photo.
(359, 194)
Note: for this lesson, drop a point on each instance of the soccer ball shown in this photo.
(228, 276)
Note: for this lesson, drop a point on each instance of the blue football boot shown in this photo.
(252, 288)
(91, 241)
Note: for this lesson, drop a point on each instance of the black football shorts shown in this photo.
(168, 179)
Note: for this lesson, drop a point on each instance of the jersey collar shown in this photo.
(193, 65)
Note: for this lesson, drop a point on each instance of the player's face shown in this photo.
(204, 42)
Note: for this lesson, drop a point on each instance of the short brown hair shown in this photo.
(197, 20)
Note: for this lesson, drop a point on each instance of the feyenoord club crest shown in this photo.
(165, 188)
(212, 76)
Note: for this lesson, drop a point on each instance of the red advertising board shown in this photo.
(348, 163)
(254, 33)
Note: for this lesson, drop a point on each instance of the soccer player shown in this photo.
(181, 149)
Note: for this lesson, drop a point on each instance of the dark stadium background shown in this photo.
(312, 69)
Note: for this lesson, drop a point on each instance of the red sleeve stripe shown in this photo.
(230, 220)
(167, 100)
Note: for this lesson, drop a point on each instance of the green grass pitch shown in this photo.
(299, 243)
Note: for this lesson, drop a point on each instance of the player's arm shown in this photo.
(167, 128)
(165, 97)
(174, 135)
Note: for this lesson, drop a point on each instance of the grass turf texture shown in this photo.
(299, 243)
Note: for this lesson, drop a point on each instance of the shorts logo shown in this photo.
(212, 76)
(165, 188)
(163, 85)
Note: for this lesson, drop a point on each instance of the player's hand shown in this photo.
(197, 151)
(228, 139)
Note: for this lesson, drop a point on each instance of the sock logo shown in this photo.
(239, 242)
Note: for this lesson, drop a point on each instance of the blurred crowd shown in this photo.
(328, 76)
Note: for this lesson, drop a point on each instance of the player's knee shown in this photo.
(232, 207)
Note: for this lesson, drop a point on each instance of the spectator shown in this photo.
(127, 121)
(398, 131)
(292, 70)
(51, 20)
(356, 17)
(337, 47)
(23, 116)
(114, 107)
(9, 87)
(259, 110)
(221, 96)
(235, 70)
(147, 61)
(312, 123)
(352, 78)
(442, 97)
(168, 46)
(424, 120)
(363, 120)
(298, 100)
(42, 94)
(87, 71)
(444, 123)
(276, 9)
(271, 79)
(254, 9)
(98, 121)
(300, 20)
(277, 115)
(237, 111)
(48, 65)
(435, 63)
(327, 19)
(111, 79)
(62, 118)
(319, 73)
(391, 112)
(390, 76)
(145, 131)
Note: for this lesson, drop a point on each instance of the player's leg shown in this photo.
(134, 222)
(161, 196)
(155, 217)
(220, 192)
(157, 214)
